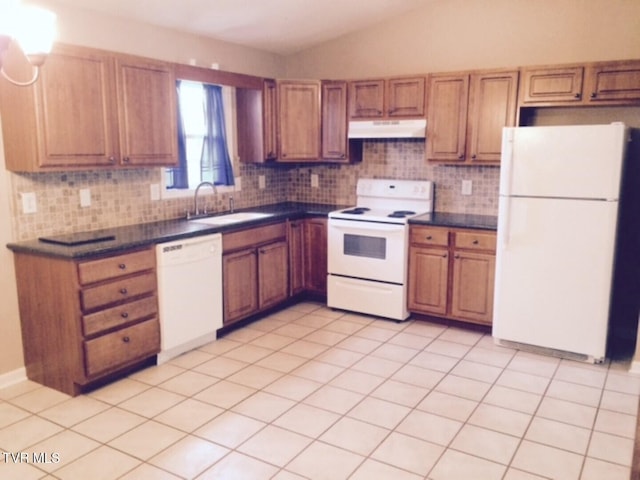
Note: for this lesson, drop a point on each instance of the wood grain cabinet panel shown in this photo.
(466, 115)
(90, 108)
(400, 97)
(451, 273)
(299, 120)
(77, 332)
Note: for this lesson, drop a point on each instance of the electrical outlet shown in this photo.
(29, 203)
(85, 197)
(154, 191)
(237, 184)
(262, 182)
(467, 187)
(315, 180)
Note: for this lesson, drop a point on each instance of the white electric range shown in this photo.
(368, 247)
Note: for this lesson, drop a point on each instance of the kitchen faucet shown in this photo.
(196, 210)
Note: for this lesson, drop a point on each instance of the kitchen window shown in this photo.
(203, 150)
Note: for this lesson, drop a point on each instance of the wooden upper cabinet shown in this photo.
(405, 97)
(401, 97)
(147, 112)
(256, 111)
(299, 120)
(599, 83)
(334, 121)
(447, 117)
(562, 84)
(467, 113)
(88, 109)
(366, 99)
(613, 82)
(492, 106)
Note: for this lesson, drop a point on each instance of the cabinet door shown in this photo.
(240, 284)
(273, 279)
(492, 106)
(334, 121)
(296, 256)
(615, 81)
(428, 274)
(472, 286)
(405, 97)
(269, 120)
(299, 120)
(366, 99)
(76, 110)
(315, 260)
(447, 117)
(551, 85)
(147, 112)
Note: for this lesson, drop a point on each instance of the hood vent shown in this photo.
(388, 128)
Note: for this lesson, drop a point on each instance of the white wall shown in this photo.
(450, 35)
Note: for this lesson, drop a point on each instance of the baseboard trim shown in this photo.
(13, 377)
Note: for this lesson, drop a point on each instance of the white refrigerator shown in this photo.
(557, 216)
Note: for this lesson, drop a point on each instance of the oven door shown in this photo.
(368, 250)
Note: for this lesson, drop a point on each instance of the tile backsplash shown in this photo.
(122, 197)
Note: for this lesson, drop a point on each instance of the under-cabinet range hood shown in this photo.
(415, 128)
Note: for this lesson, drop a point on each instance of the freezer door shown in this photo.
(583, 161)
(553, 273)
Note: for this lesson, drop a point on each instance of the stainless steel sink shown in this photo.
(231, 218)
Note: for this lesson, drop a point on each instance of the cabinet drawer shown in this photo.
(116, 316)
(253, 237)
(476, 241)
(113, 267)
(121, 347)
(118, 291)
(429, 236)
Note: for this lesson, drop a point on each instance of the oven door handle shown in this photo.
(363, 226)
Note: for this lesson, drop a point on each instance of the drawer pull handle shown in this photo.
(123, 291)
(475, 242)
(124, 315)
(126, 339)
(122, 266)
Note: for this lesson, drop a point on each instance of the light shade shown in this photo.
(32, 28)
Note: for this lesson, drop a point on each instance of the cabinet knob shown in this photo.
(123, 291)
(456, 256)
(263, 250)
(126, 160)
(126, 339)
(124, 315)
(444, 255)
(473, 156)
(122, 266)
(112, 159)
(594, 95)
(461, 156)
(577, 95)
(429, 237)
(475, 242)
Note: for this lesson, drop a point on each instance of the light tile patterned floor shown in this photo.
(314, 393)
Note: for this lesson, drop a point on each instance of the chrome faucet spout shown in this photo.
(196, 210)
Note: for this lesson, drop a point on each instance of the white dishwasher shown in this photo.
(189, 293)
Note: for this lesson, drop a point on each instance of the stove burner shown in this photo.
(357, 210)
(401, 213)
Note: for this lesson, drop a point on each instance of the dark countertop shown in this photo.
(146, 234)
(460, 220)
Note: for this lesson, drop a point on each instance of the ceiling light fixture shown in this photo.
(32, 28)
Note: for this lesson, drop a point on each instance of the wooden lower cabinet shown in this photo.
(85, 321)
(315, 257)
(255, 267)
(451, 273)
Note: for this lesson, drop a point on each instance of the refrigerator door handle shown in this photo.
(503, 231)
(506, 162)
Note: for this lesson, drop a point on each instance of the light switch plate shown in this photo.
(154, 191)
(467, 187)
(262, 182)
(29, 204)
(315, 180)
(85, 197)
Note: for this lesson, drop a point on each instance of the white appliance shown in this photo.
(412, 128)
(558, 209)
(189, 293)
(368, 247)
